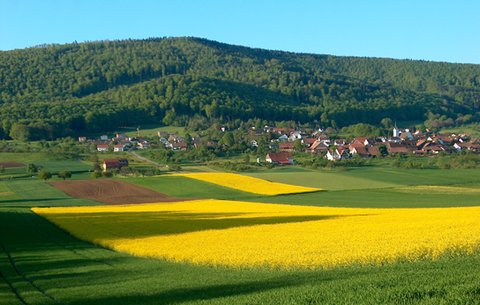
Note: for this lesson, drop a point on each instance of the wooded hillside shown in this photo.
(53, 90)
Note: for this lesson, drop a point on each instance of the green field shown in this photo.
(368, 177)
(152, 130)
(41, 264)
(29, 157)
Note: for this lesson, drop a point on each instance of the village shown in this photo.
(284, 141)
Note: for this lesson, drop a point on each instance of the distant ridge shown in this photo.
(94, 86)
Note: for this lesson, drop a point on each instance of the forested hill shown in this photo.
(54, 90)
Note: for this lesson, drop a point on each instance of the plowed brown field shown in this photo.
(112, 191)
(12, 164)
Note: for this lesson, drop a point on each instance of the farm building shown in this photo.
(109, 164)
(284, 158)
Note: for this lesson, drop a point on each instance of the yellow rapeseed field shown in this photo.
(250, 184)
(249, 235)
(435, 189)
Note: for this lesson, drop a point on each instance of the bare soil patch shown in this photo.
(12, 164)
(112, 192)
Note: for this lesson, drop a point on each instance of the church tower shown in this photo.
(396, 131)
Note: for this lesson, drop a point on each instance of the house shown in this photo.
(317, 147)
(283, 138)
(364, 152)
(363, 140)
(396, 148)
(297, 135)
(411, 145)
(373, 151)
(174, 138)
(273, 145)
(82, 139)
(360, 151)
(102, 147)
(442, 139)
(197, 144)
(121, 136)
(467, 146)
(103, 137)
(288, 146)
(324, 139)
(433, 148)
(279, 130)
(337, 155)
(162, 134)
(339, 142)
(356, 145)
(254, 143)
(308, 141)
(143, 145)
(407, 135)
(109, 164)
(179, 146)
(283, 158)
(118, 148)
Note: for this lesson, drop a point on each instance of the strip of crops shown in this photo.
(249, 235)
(250, 184)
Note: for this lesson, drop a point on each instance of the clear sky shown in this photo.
(433, 30)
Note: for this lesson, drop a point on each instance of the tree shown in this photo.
(64, 174)
(331, 165)
(298, 146)
(2, 169)
(44, 175)
(32, 168)
(228, 139)
(20, 132)
(96, 174)
(387, 123)
(107, 174)
(246, 159)
(96, 162)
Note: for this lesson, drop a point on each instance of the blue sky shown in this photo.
(426, 30)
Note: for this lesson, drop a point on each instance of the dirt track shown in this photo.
(112, 191)
(12, 164)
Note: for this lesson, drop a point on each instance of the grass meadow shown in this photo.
(42, 264)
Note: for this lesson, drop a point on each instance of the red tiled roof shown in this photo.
(281, 158)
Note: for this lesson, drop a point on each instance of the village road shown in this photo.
(145, 159)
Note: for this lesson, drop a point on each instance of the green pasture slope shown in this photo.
(41, 264)
(374, 187)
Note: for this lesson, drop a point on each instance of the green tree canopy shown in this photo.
(44, 175)
(64, 174)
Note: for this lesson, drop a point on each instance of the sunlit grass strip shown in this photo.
(249, 235)
(435, 189)
(250, 184)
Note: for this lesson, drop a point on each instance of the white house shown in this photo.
(102, 147)
(118, 148)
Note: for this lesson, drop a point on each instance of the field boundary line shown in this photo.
(17, 270)
(25, 277)
(14, 290)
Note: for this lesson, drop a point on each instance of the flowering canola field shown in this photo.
(249, 235)
(250, 184)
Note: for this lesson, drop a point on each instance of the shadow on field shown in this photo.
(142, 224)
(220, 291)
